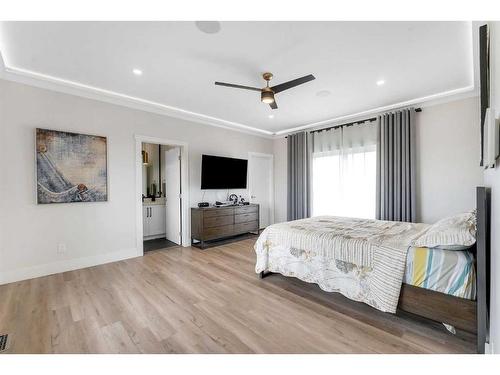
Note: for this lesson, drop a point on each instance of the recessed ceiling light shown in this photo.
(380, 82)
(137, 72)
(323, 93)
(271, 116)
(208, 27)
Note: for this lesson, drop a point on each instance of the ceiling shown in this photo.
(180, 64)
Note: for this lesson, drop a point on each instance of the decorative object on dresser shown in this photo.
(213, 223)
(233, 198)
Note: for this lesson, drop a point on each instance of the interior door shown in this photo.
(173, 194)
(260, 182)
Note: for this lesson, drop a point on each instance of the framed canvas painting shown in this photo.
(70, 167)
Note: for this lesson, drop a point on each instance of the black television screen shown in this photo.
(223, 173)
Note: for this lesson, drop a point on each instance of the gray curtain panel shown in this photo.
(396, 166)
(298, 176)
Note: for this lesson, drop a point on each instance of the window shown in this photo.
(344, 177)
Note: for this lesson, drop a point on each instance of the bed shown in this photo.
(377, 262)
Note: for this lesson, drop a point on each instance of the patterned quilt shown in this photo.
(362, 259)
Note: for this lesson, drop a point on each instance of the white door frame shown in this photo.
(185, 203)
(271, 181)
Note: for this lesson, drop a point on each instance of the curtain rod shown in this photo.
(371, 119)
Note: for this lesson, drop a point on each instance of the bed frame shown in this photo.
(464, 314)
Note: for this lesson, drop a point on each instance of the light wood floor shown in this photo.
(185, 300)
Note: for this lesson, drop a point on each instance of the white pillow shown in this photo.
(456, 232)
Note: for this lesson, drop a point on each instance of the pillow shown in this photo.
(456, 232)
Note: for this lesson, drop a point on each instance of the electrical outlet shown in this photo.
(61, 248)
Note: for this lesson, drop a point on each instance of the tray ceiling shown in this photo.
(180, 61)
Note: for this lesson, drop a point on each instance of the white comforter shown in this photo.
(362, 259)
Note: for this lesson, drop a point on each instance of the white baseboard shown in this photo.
(489, 348)
(65, 265)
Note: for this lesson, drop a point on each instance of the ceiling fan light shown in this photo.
(267, 97)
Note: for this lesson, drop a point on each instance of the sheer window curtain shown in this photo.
(344, 166)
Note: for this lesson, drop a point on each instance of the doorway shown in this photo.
(261, 185)
(162, 191)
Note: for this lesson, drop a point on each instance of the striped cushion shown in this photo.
(451, 233)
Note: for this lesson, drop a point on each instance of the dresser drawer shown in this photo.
(245, 218)
(217, 221)
(245, 209)
(246, 227)
(212, 223)
(218, 212)
(218, 232)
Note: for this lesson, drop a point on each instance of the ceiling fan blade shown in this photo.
(273, 105)
(292, 83)
(237, 86)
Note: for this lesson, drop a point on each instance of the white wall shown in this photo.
(93, 232)
(448, 148)
(492, 179)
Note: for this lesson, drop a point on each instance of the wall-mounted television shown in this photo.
(218, 172)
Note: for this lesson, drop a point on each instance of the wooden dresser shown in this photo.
(212, 223)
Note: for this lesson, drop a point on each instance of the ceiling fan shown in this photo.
(267, 93)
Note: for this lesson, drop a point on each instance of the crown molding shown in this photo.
(44, 81)
(90, 92)
(426, 101)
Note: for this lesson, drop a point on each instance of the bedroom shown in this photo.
(328, 202)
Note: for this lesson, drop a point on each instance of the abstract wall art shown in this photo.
(70, 167)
